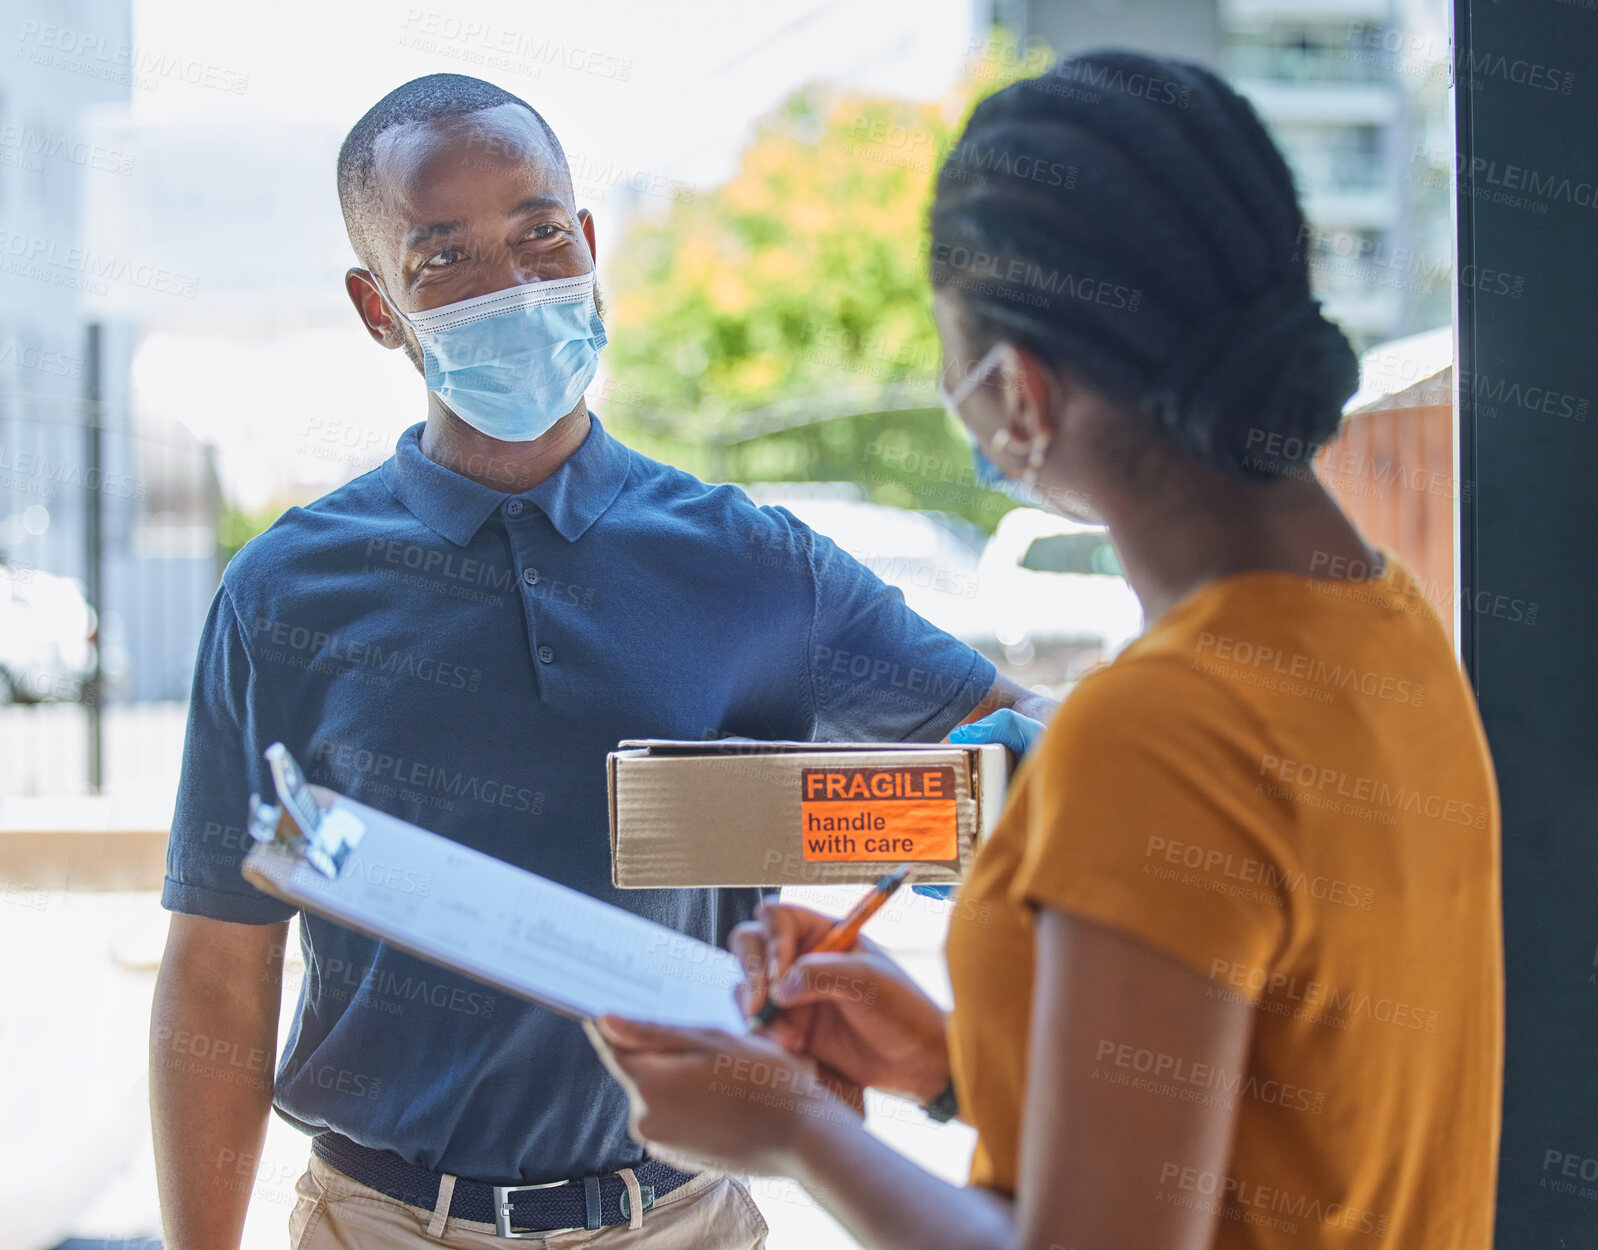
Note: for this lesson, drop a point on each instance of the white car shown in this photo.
(1043, 598)
(1054, 599)
(47, 637)
(930, 557)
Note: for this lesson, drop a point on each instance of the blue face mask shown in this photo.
(985, 472)
(513, 362)
(989, 477)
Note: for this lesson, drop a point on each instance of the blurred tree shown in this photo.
(235, 527)
(779, 328)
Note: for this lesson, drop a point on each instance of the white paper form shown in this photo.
(512, 929)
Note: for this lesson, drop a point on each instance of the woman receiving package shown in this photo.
(1228, 972)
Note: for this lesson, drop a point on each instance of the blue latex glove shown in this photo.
(1007, 726)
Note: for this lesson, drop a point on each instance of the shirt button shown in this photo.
(514, 508)
(546, 655)
(530, 576)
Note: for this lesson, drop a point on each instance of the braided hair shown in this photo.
(1129, 218)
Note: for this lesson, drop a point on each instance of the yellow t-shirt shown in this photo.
(1284, 783)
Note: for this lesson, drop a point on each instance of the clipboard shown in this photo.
(476, 915)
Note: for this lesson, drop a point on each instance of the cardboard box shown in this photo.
(741, 812)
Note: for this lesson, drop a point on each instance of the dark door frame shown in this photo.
(1525, 96)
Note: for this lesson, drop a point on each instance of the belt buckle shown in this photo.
(503, 1197)
(646, 1200)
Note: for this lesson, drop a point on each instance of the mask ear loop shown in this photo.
(388, 300)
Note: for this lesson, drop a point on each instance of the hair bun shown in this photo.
(1260, 392)
(1275, 417)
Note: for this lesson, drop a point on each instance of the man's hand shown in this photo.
(213, 1052)
(1005, 693)
(1006, 726)
(854, 1011)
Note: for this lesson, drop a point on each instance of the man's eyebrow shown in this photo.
(535, 202)
(443, 229)
(439, 229)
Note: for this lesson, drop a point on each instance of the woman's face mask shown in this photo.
(987, 474)
(513, 362)
(1027, 489)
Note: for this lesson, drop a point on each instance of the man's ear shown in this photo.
(585, 219)
(373, 311)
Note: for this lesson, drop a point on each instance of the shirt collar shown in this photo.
(455, 507)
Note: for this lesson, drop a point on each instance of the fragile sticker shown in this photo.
(886, 813)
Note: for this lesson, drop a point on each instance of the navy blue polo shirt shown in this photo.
(465, 659)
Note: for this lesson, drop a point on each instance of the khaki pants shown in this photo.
(710, 1212)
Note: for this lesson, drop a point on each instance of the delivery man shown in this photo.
(458, 638)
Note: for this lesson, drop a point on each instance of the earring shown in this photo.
(1034, 463)
(1000, 442)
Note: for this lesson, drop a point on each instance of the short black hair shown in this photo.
(423, 99)
(1128, 218)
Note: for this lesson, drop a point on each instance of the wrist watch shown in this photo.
(945, 1106)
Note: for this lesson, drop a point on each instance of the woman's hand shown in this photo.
(854, 1011)
(708, 1098)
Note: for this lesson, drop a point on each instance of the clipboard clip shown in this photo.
(297, 824)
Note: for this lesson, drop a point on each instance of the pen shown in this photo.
(842, 935)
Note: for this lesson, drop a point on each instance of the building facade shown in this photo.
(1354, 92)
